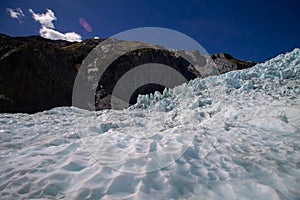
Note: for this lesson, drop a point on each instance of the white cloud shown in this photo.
(47, 27)
(72, 36)
(56, 35)
(44, 19)
(15, 13)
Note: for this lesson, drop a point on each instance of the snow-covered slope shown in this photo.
(231, 136)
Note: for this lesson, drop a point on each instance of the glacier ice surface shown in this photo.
(233, 136)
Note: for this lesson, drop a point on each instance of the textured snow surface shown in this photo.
(234, 136)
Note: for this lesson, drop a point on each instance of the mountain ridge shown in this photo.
(37, 74)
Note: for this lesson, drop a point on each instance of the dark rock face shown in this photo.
(37, 74)
(36, 77)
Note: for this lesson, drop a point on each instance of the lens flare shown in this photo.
(85, 25)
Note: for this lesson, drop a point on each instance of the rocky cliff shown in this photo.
(38, 74)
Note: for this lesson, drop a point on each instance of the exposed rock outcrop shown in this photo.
(226, 63)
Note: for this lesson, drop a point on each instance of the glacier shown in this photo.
(232, 136)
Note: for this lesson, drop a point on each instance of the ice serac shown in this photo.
(266, 78)
(245, 128)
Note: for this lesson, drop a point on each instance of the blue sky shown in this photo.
(251, 30)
